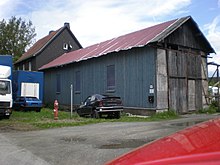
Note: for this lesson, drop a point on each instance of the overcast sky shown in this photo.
(93, 21)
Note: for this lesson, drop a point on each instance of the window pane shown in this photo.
(29, 66)
(78, 81)
(111, 77)
(5, 87)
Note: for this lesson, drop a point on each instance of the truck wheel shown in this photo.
(92, 114)
(7, 117)
(95, 114)
(117, 115)
(77, 111)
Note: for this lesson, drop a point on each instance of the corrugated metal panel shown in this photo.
(140, 38)
(125, 42)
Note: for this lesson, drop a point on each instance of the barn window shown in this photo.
(78, 82)
(111, 77)
(58, 83)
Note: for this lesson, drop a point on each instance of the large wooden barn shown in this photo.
(157, 68)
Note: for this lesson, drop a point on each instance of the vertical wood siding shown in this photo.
(205, 85)
(189, 36)
(162, 80)
(134, 73)
(185, 81)
(55, 48)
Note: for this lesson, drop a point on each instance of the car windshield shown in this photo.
(5, 87)
(87, 101)
(100, 97)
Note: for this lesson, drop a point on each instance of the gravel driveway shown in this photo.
(91, 144)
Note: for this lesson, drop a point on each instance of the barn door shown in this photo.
(178, 95)
(191, 95)
(194, 95)
(195, 85)
(177, 82)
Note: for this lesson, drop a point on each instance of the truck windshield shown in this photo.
(5, 87)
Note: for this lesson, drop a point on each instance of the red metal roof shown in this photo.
(136, 39)
(37, 46)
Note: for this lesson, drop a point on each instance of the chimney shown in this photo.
(51, 31)
(67, 24)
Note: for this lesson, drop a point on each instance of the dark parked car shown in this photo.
(27, 103)
(98, 105)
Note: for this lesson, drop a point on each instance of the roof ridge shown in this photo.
(50, 39)
(176, 20)
(109, 46)
(162, 31)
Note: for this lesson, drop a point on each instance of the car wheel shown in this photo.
(38, 110)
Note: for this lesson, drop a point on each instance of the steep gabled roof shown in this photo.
(42, 43)
(136, 39)
(37, 47)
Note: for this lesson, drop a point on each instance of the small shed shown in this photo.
(154, 69)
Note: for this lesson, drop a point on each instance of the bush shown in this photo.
(170, 114)
(210, 110)
(49, 106)
(214, 104)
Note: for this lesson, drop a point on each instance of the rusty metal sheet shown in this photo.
(136, 39)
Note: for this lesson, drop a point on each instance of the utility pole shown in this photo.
(71, 102)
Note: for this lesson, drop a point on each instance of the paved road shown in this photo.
(92, 144)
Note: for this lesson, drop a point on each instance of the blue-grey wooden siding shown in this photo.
(134, 73)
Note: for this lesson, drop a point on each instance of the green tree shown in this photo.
(16, 36)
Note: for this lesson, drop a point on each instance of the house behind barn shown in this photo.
(157, 68)
(48, 48)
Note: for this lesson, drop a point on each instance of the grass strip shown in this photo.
(26, 121)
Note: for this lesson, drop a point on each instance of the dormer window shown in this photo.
(67, 46)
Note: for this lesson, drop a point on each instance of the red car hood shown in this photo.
(199, 144)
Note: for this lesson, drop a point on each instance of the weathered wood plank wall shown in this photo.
(185, 81)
